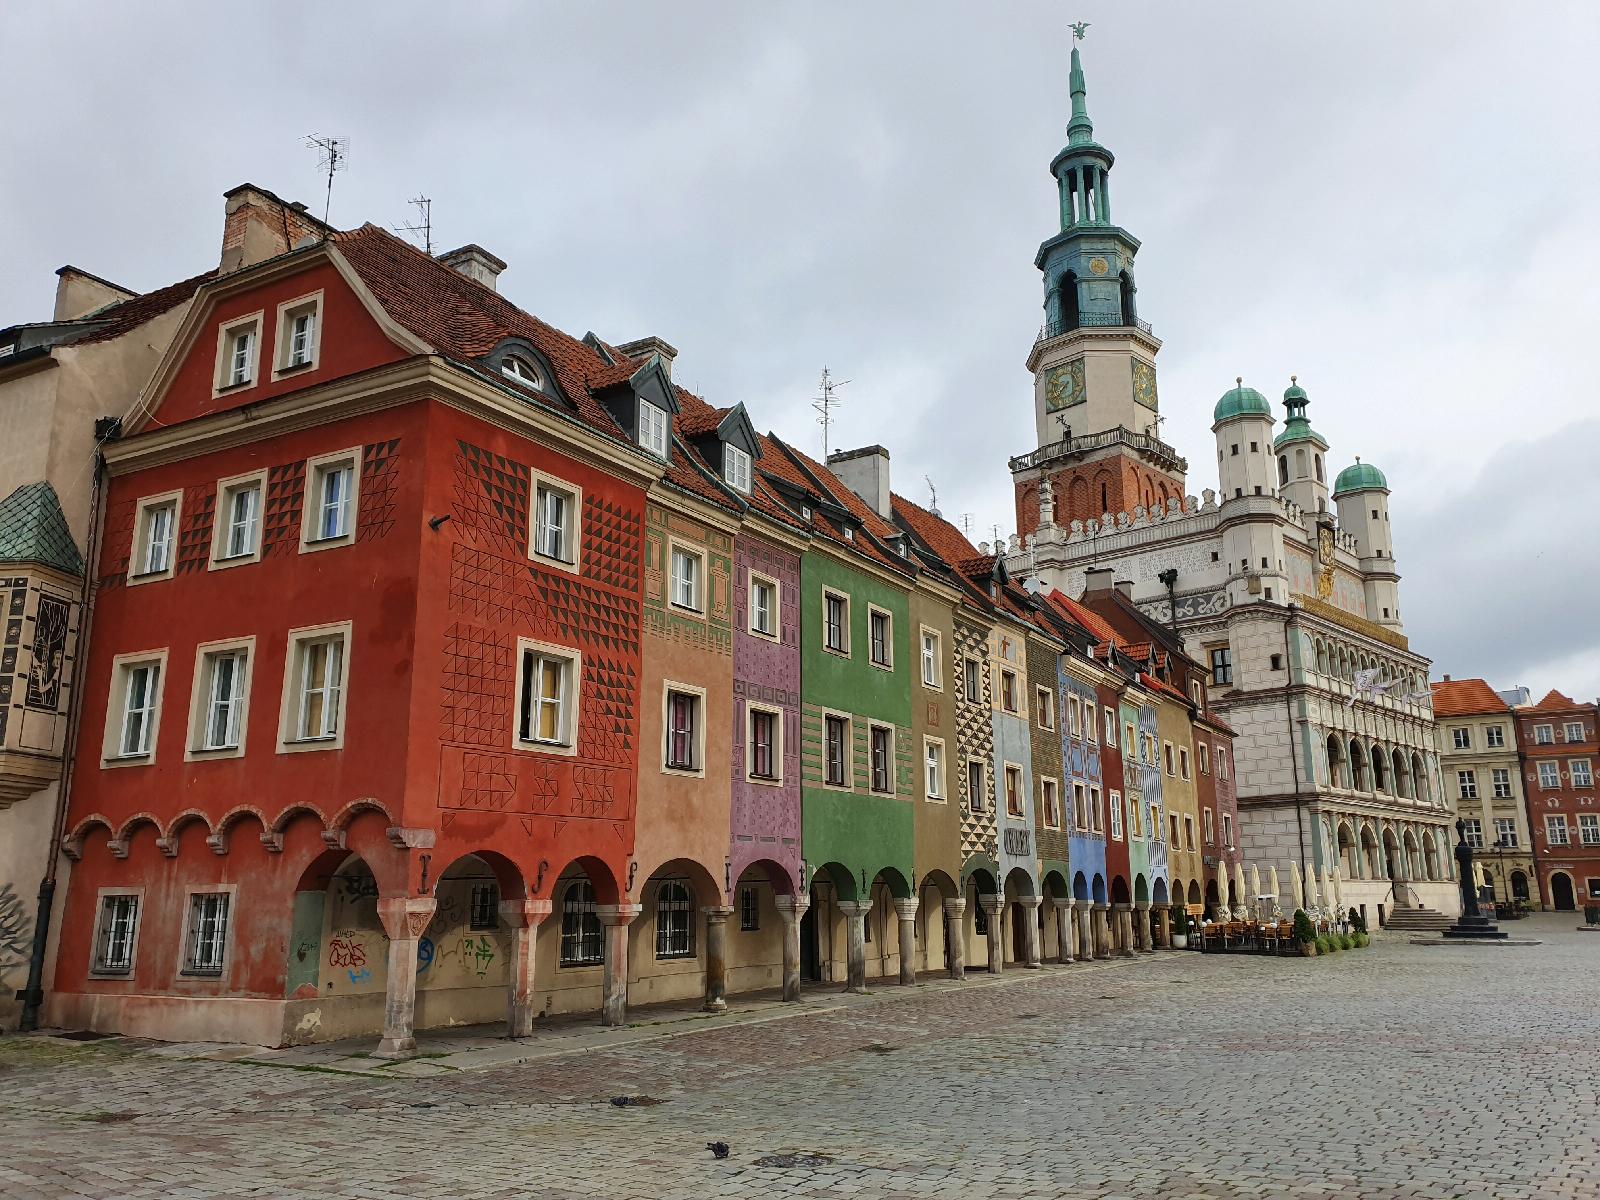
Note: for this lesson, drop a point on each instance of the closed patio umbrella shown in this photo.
(1311, 888)
(1294, 878)
(1328, 898)
(1272, 882)
(1238, 888)
(1255, 889)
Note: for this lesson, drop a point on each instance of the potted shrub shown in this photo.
(1305, 933)
(1180, 929)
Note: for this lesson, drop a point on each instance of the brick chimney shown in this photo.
(646, 346)
(258, 226)
(476, 263)
(866, 473)
(1097, 580)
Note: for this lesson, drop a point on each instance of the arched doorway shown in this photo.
(1561, 892)
(1519, 885)
(1394, 868)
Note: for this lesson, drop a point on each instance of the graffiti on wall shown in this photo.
(16, 936)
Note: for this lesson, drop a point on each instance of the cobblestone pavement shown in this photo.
(1394, 1071)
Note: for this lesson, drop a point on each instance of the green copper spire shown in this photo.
(1080, 130)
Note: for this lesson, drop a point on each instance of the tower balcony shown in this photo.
(1089, 320)
(1070, 449)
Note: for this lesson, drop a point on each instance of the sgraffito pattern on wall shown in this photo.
(380, 474)
(280, 518)
(14, 592)
(1046, 749)
(194, 541)
(713, 631)
(118, 541)
(974, 736)
(498, 595)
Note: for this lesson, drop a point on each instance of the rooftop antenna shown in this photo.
(825, 404)
(424, 225)
(966, 525)
(333, 154)
(933, 496)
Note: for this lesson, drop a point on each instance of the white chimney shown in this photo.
(475, 263)
(646, 346)
(866, 473)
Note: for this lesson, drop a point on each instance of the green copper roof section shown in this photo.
(1359, 477)
(1297, 428)
(1080, 130)
(1241, 401)
(34, 530)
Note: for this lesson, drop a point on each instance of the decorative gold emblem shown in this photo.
(1325, 557)
(1098, 266)
(1063, 386)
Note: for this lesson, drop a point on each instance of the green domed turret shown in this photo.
(1359, 477)
(1297, 427)
(1241, 401)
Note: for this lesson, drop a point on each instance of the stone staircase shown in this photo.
(1417, 919)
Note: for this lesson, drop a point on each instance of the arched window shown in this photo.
(1067, 301)
(1105, 497)
(514, 366)
(1283, 469)
(1322, 658)
(674, 920)
(1128, 313)
(1335, 762)
(1319, 468)
(582, 942)
(1358, 767)
(1300, 463)
(1380, 772)
(1419, 780)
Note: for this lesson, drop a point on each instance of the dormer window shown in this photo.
(238, 348)
(517, 368)
(299, 333)
(736, 468)
(653, 428)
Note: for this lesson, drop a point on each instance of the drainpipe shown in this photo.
(33, 997)
(1170, 578)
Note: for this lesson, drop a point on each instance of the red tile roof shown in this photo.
(1556, 700)
(130, 314)
(1459, 697)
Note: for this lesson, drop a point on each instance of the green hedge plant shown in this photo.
(1304, 930)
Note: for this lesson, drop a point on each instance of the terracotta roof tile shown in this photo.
(1458, 697)
(130, 314)
(1557, 700)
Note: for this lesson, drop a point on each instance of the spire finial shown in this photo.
(1358, 458)
(1239, 380)
(1079, 129)
(1294, 379)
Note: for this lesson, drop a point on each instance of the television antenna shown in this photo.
(966, 525)
(933, 496)
(825, 404)
(333, 154)
(424, 225)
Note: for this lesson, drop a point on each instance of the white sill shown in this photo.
(565, 564)
(137, 756)
(764, 780)
(111, 975)
(765, 636)
(222, 751)
(836, 653)
(882, 666)
(684, 772)
(684, 608)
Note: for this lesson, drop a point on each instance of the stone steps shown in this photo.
(1415, 919)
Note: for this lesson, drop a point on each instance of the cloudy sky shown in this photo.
(1398, 202)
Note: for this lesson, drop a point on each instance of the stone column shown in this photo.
(955, 936)
(995, 907)
(1028, 913)
(522, 918)
(1124, 919)
(1140, 920)
(855, 970)
(907, 911)
(614, 978)
(1066, 930)
(1163, 928)
(1083, 914)
(1102, 930)
(791, 909)
(717, 957)
(405, 918)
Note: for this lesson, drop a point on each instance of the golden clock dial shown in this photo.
(1063, 385)
(1098, 266)
(1144, 383)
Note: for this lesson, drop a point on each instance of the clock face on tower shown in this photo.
(1144, 383)
(1063, 386)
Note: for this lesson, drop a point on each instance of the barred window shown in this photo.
(485, 906)
(119, 918)
(208, 933)
(582, 940)
(674, 920)
(749, 910)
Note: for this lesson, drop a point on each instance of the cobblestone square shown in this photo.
(1395, 1071)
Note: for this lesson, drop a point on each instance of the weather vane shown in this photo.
(1077, 28)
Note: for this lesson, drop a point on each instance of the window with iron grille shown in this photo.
(582, 938)
(749, 910)
(208, 933)
(114, 940)
(484, 910)
(674, 920)
(836, 739)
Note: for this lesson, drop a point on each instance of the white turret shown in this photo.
(1362, 494)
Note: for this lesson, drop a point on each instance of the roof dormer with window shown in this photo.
(643, 405)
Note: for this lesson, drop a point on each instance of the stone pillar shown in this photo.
(995, 907)
(1139, 918)
(1102, 930)
(1163, 928)
(1084, 915)
(907, 912)
(717, 957)
(1124, 919)
(955, 936)
(855, 971)
(405, 918)
(791, 909)
(522, 918)
(1066, 930)
(1028, 913)
(614, 978)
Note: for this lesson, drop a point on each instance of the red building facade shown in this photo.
(1559, 747)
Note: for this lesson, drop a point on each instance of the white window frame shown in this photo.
(935, 682)
(519, 368)
(308, 305)
(186, 948)
(98, 971)
(1553, 782)
(572, 527)
(886, 663)
(1080, 807)
(1014, 709)
(1168, 758)
(697, 767)
(754, 579)
(1494, 736)
(935, 778)
(202, 695)
(1581, 772)
(1183, 762)
(1044, 701)
(1205, 758)
(846, 752)
(751, 708)
(1544, 735)
(655, 428)
(844, 599)
(1466, 785)
(1114, 806)
(983, 798)
(1227, 830)
(1553, 822)
(1505, 829)
(874, 728)
(222, 520)
(222, 380)
(290, 710)
(697, 556)
(122, 667)
(317, 471)
(570, 700)
(1500, 783)
(1110, 717)
(1589, 829)
(972, 680)
(139, 556)
(1007, 769)
(1188, 831)
(1472, 832)
(1208, 827)
(1566, 731)
(1050, 813)
(1461, 738)
(738, 467)
(1096, 823)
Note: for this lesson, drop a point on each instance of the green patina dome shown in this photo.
(1359, 477)
(1241, 401)
(1294, 392)
(1297, 428)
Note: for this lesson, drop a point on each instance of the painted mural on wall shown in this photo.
(48, 668)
